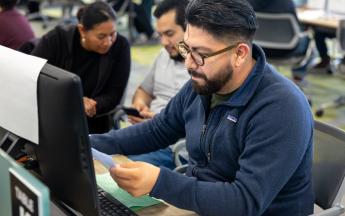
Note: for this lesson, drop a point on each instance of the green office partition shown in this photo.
(20, 192)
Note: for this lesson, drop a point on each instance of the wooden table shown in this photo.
(163, 209)
(320, 18)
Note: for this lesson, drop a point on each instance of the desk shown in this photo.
(319, 18)
(157, 210)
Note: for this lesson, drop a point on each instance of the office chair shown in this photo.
(280, 36)
(127, 6)
(328, 169)
(281, 32)
(29, 46)
(180, 155)
(65, 5)
(340, 100)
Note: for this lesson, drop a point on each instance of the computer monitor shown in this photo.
(63, 152)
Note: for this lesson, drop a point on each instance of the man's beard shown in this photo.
(177, 57)
(210, 86)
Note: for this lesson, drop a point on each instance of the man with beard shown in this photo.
(166, 78)
(248, 129)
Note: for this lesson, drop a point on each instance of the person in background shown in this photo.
(245, 157)
(15, 30)
(142, 21)
(147, 5)
(33, 6)
(95, 51)
(320, 36)
(166, 77)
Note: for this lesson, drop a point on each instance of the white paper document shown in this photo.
(18, 93)
(105, 159)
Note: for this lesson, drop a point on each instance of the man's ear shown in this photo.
(242, 52)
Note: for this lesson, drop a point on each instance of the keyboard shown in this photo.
(111, 206)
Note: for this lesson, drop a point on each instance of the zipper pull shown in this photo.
(208, 156)
(203, 129)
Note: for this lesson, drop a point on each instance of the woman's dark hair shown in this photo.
(94, 14)
(8, 4)
(178, 5)
(224, 19)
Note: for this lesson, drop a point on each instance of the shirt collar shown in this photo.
(243, 94)
(249, 86)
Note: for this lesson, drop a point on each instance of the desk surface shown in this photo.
(157, 210)
(319, 18)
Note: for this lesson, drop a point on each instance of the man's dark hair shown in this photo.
(95, 13)
(224, 19)
(8, 4)
(178, 5)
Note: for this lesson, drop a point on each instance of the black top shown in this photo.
(85, 64)
(104, 77)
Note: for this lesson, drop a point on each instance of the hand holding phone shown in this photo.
(132, 111)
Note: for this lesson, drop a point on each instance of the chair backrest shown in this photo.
(277, 31)
(29, 46)
(341, 34)
(328, 165)
(122, 9)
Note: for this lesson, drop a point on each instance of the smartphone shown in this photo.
(131, 111)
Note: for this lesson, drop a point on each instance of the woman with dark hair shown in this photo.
(93, 50)
(15, 29)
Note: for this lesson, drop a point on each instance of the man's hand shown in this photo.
(140, 106)
(135, 120)
(137, 178)
(144, 111)
(147, 114)
(89, 106)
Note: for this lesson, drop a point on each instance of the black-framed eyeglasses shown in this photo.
(199, 58)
